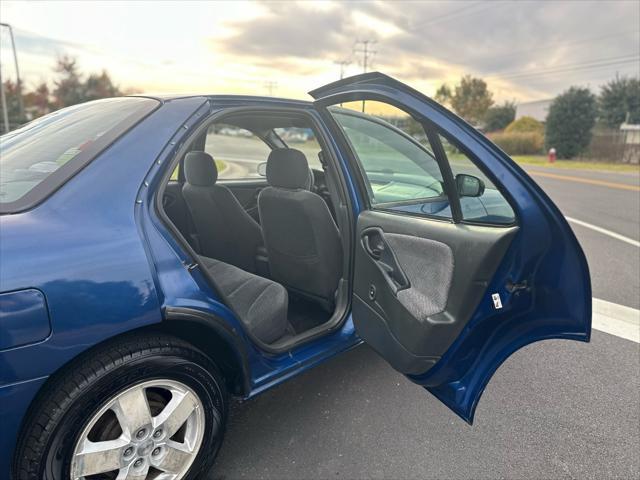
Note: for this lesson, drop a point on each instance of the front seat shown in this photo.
(301, 238)
(226, 231)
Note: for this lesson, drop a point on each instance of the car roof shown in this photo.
(163, 97)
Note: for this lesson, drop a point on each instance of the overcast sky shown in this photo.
(525, 50)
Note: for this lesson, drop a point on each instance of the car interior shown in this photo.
(265, 219)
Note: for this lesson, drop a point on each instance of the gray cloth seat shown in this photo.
(225, 230)
(300, 235)
(261, 304)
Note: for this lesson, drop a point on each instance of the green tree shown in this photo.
(100, 86)
(69, 89)
(13, 102)
(571, 117)
(499, 116)
(443, 94)
(37, 102)
(619, 97)
(471, 99)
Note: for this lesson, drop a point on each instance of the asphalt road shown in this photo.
(612, 202)
(556, 409)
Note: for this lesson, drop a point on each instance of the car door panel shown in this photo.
(511, 285)
(425, 315)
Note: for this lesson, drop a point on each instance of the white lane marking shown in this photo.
(616, 320)
(604, 231)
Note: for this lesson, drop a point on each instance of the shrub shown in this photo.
(525, 125)
(571, 117)
(499, 116)
(519, 143)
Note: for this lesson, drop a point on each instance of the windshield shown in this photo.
(39, 157)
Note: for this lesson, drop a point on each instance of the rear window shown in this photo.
(38, 158)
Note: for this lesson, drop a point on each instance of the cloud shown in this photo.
(235, 46)
(432, 42)
(34, 43)
(292, 30)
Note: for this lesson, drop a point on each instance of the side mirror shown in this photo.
(469, 186)
(262, 169)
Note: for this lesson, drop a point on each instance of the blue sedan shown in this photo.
(159, 255)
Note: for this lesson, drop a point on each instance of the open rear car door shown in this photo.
(443, 294)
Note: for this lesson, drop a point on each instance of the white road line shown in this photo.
(604, 231)
(616, 320)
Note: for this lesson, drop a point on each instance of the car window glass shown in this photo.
(236, 151)
(45, 148)
(394, 155)
(491, 206)
(302, 139)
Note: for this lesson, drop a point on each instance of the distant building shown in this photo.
(631, 134)
(538, 109)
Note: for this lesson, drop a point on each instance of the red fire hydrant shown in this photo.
(552, 155)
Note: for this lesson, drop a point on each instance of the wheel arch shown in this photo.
(216, 339)
(204, 331)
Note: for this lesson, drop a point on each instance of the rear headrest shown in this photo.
(288, 168)
(200, 169)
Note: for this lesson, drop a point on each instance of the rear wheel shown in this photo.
(149, 407)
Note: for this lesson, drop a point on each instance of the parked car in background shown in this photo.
(142, 283)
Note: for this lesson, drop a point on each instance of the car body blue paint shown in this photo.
(107, 264)
(24, 318)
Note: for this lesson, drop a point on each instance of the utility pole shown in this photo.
(343, 64)
(5, 115)
(367, 53)
(18, 82)
(365, 50)
(270, 85)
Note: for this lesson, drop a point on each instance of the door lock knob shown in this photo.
(372, 292)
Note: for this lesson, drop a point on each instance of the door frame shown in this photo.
(343, 305)
(544, 241)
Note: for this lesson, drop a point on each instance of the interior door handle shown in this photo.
(374, 252)
(374, 244)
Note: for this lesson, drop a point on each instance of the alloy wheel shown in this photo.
(151, 431)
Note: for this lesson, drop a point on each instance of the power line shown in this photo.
(586, 68)
(343, 64)
(568, 67)
(366, 54)
(460, 12)
(366, 51)
(571, 43)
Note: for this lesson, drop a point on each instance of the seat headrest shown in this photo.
(200, 169)
(288, 168)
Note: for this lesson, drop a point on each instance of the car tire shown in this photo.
(80, 404)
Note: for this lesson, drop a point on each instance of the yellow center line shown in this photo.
(591, 181)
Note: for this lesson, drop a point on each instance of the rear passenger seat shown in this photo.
(260, 303)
